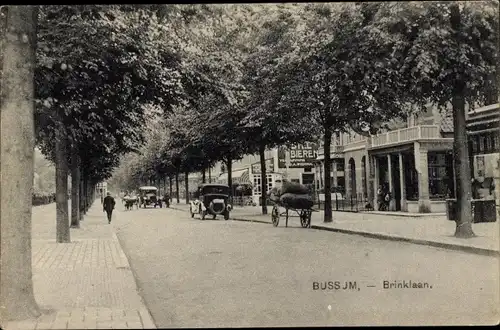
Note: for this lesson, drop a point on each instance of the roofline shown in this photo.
(148, 188)
(484, 109)
(213, 184)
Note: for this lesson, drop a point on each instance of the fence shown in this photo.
(242, 201)
(353, 203)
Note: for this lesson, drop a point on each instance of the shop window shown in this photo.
(307, 170)
(440, 175)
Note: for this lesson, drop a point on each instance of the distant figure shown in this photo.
(166, 198)
(108, 205)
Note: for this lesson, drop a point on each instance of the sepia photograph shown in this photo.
(229, 165)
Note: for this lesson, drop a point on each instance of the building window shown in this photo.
(269, 182)
(340, 165)
(307, 170)
(475, 144)
(441, 183)
(341, 184)
(496, 145)
(257, 186)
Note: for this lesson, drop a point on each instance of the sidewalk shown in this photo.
(85, 284)
(429, 229)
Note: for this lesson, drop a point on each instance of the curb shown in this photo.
(235, 219)
(463, 248)
(448, 246)
(419, 215)
(146, 317)
(250, 220)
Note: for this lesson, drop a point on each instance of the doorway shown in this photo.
(383, 163)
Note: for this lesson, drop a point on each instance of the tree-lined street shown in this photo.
(215, 273)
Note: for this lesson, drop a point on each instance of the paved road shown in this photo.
(220, 273)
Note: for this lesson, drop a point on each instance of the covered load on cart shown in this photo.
(295, 197)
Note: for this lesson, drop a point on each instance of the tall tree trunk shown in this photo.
(186, 182)
(209, 175)
(462, 167)
(328, 183)
(164, 185)
(230, 177)
(203, 175)
(62, 219)
(75, 188)
(17, 169)
(460, 145)
(170, 187)
(177, 186)
(85, 194)
(263, 177)
(80, 198)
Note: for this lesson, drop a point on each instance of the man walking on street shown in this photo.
(108, 205)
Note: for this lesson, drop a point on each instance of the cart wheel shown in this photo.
(303, 219)
(275, 216)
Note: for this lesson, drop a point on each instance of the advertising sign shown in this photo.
(256, 168)
(301, 156)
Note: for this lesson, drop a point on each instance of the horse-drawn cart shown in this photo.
(292, 197)
(303, 214)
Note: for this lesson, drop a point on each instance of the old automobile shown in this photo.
(148, 196)
(211, 199)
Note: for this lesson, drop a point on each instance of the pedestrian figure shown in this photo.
(387, 200)
(380, 198)
(108, 205)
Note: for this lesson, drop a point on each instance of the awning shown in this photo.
(239, 176)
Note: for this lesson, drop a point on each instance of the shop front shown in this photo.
(241, 184)
(272, 178)
(483, 127)
(417, 177)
